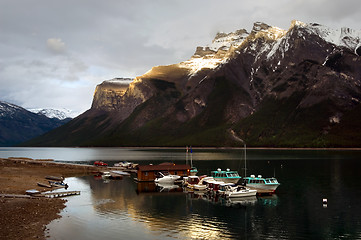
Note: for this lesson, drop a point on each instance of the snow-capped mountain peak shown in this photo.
(60, 113)
(344, 37)
(7, 109)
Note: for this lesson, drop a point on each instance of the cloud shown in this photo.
(54, 53)
(55, 45)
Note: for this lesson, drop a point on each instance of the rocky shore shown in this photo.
(24, 217)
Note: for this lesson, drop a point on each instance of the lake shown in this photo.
(125, 209)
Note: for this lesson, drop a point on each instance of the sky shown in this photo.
(53, 53)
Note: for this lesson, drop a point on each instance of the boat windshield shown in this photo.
(271, 180)
(193, 180)
(233, 174)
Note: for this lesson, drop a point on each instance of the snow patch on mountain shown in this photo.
(273, 39)
(120, 80)
(8, 109)
(197, 64)
(344, 37)
(224, 41)
(59, 113)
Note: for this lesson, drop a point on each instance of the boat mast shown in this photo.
(245, 164)
(186, 155)
(191, 157)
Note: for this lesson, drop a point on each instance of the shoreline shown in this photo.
(27, 217)
(195, 147)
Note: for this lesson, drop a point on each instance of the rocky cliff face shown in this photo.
(108, 94)
(264, 85)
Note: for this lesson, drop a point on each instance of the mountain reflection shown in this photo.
(175, 212)
(109, 209)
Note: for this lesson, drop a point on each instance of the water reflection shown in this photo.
(129, 210)
(269, 200)
(164, 187)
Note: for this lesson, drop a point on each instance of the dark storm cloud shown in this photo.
(55, 52)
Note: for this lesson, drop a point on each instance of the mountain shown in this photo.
(299, 87)
(18, 124)
(60, 114)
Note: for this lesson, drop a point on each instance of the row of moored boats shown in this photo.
(226, 183)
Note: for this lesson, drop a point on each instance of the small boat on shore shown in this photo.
(58, 184)
(226, 176)
(125, 164)
(54, 178)
(44, 185)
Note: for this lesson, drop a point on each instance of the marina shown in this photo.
(318, 197)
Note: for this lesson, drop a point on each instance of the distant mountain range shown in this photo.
(18, 124)
(269, 87)
(60, 114)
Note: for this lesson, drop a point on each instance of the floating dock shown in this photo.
(59, 194)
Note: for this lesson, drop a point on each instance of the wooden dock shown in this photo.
(58, 194)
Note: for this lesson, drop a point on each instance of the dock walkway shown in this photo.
(58, 194)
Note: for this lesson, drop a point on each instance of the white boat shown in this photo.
(193, 182)
(212, 184)
(226, 176)
(239, 191)
(166, 178)
(263, 185)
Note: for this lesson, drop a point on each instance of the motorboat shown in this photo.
(212, 184)
(263, 185)
(224, 188)
(166, 178)
(239, 191)
(226, 176)
(194, 183)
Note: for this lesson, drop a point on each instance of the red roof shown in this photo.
(163, 167)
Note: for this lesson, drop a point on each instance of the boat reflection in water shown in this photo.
(152, 187)
(271, 200)
(167, 187)
(223, 201)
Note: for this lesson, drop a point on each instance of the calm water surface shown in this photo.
(124, 209)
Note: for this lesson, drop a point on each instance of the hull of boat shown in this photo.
(227, 180)
(167, 179)
(245, 193)
(197, 187)
(264, 187)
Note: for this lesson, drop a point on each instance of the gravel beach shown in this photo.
(24, 217)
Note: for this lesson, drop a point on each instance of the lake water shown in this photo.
(124, 209)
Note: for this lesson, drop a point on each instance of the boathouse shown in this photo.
(147, 173)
